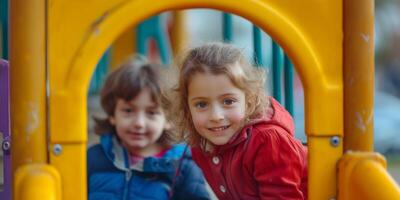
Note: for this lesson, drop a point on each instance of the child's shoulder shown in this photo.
(275, 136)
(268, 127)
(95, 149)
(271, 132)
(96, 154)
(97, 160)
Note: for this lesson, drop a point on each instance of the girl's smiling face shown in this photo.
(217, 107)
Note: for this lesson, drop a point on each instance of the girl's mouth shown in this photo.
(220, 128)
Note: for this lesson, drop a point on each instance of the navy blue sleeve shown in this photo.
(190, 183)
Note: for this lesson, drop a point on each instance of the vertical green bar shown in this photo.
(257, 45)
(277, 72)
(141, 39)
(288, 73)
(163, 45)
(227, 27)
(4, 28)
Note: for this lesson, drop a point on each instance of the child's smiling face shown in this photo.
(139, 123)
(217, 107)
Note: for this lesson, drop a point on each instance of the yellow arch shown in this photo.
(295, 39)
(300, 27)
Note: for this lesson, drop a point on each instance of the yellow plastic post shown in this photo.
(178, 31)
(363, 176)
(319, 163)
(27, 82)
(37, 182)
(358, 74)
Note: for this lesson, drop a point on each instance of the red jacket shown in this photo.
(264, 161)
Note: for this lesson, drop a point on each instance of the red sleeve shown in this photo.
(279, 166)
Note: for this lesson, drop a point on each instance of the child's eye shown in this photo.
(228, 102)
(127, 110)
(153, 112)
(200, 104)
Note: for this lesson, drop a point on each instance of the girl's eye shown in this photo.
(200, 105)
(229, 101)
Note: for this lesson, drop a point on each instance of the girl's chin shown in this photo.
(218, 142)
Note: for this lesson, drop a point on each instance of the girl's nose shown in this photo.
(217, 113)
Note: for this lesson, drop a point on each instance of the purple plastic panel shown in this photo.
(5, 194)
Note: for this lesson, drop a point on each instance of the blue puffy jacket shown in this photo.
(111, 177)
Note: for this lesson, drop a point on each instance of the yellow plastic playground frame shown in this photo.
(55, 46)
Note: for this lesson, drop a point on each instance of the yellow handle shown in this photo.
(37, 182)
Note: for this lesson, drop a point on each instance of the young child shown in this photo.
(136, 158)
(242, 140)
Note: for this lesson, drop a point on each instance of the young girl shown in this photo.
(136, 158)
(242, 140)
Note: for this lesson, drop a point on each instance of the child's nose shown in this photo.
(139, 121)
(217, 113)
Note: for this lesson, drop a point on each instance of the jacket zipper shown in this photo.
(128, 175)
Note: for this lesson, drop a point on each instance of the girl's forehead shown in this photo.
(235, 69)
(211, 84)
(206, 78)
(231, 74)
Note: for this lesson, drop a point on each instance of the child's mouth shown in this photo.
(220, 128)
(138, 135)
